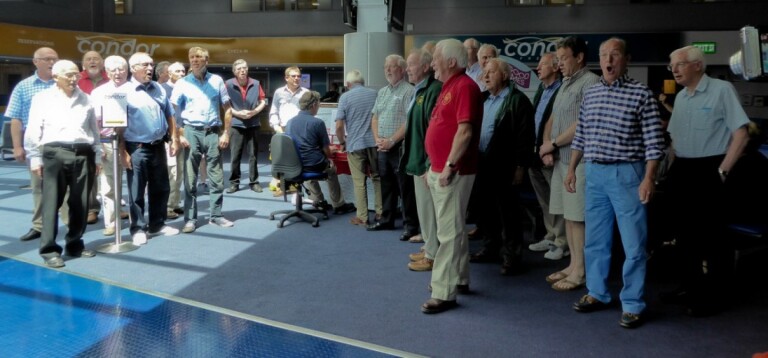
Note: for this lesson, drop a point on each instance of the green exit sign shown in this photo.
(706, 47)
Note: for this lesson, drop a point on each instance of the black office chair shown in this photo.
(286, 166)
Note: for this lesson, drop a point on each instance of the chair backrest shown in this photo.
(286, 162)
(6, 145)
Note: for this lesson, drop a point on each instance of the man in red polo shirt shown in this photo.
(452, 146)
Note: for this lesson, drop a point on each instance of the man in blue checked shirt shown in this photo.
(619, 135)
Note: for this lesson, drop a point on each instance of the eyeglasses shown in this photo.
(47, 59)
(677, 66)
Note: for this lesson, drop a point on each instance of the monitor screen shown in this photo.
(396, 14)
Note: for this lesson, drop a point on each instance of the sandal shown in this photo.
(557, 276)
(567, 285)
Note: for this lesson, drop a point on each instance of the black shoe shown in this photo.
(407, 235)
(257, 188)
(31, 235)
(588, 304)
(178, 210)
(676, 297)
(345, 208)
(631, 320)
(54, 262)
(233, 188)
(377, 226)
(511, 268)
(322, 205)
(484, 256)
(84, 253)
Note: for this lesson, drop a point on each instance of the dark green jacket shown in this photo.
(413, 156)
(513, 134)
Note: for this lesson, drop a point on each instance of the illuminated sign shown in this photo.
(706, 47)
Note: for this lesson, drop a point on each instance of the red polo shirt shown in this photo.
(459, 102)
(85, 83)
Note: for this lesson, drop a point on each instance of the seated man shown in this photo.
(311, 138)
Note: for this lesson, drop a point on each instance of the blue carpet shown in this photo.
(344, 281)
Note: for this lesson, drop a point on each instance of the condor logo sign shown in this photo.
(111, 46)
(530, 48)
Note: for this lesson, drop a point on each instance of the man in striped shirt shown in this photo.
(619, 136)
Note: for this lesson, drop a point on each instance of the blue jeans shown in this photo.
(612, 196)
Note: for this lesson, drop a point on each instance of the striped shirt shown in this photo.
(21, 97)
(619, 122)
(565, 110)
(354, 109)
(391, 107)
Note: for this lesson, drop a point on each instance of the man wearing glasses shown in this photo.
(198, 99)
(18, 111)
(64, 150)
(709, 132)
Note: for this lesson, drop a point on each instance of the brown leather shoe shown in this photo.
(93, 217)
(434, 305)
(424, 264)
(123, 214)
(417, 256)
(356, 221)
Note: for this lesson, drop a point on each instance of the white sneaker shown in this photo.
(543, 245)
(557, 253)
(221, 221)
(139, 238)
(165, 231)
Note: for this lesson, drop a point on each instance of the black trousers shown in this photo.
(696, 194)
(396, 184)
(244, 139)
(498, 213)
(66, 166)
(149, 171)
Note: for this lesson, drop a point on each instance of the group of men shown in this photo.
(457, 125)
(63, 122)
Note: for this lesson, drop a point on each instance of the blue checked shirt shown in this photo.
(21, 97)
(619, 122)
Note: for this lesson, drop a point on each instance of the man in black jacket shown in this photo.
(506, 139)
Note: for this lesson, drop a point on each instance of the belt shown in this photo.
(153, 143)
(203, 128)
(606, 162)
(74, 147)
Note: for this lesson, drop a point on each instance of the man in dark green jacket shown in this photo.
(506, 140)
(414, 160)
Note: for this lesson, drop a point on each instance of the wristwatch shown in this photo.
(554, 145)
(722, 172)
(450, 165)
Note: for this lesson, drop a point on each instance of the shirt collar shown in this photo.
(618, 83)
(553, 84)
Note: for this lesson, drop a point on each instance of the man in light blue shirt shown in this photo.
(198, 98)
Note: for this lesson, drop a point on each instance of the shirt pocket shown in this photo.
(704, 118)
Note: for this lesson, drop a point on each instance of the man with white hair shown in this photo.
(142, 148)
(388, 124)
(18, 111)
(474, 68)
(709, 133)
(62, 143)
(175, 163)
(114, 90)
(353, 129)
(452, 146)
